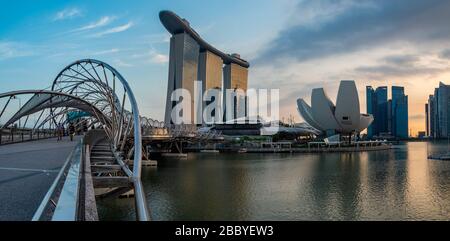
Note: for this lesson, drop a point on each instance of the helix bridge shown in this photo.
(118, 138)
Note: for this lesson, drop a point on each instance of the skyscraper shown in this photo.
(377, 105)
(192, 59)
(443, 110)
(235, 77)
(427, 120)
(371, 108)
(434, 126)
(399, 112)
(390, 116)
(183, 67)
(431, 116)
(210, 73)
(382, 109)
(439, 112)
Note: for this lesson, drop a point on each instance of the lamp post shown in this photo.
(20, 104)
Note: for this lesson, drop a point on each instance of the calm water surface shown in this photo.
(399, 184)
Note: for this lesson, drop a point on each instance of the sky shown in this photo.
(293, 45)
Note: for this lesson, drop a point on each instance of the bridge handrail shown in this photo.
(15, 135)
(141, 203)
(39, 214)
(67, 207)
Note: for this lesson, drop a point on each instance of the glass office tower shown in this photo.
(434, 117)
(381, 94)
(390, 116)
(399, 112)
(431, 116)
(441, 108)
(371, 108)
(427, 120)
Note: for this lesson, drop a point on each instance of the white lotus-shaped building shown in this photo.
(343, 118)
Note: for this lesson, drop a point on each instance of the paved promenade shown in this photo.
(27, 170)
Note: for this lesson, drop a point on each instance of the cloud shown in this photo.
(404, 60)
(121, 63)
(103, 21)
(152, 56)
(10, 50)
(67, 13)
(370, 41)
(109, 51)
(158, 38)
(339, 27)
(381, 72)
(117, 29)
(445, 54)
(158, 58)
(397, 66)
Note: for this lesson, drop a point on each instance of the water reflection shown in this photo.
(399, 184)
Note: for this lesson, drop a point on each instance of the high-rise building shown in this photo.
(235, 77)
(371, 108)
(210, 73)
(183, 67)
(382, 109)
(427, 120)
(433, 105)
(399, 112)
(443, 110)
(439, 112)
(193, 59)
(390, 116)
(377, 105)
(431, 116)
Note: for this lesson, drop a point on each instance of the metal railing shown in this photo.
(13, 135)
(61, 200)
(142, 210)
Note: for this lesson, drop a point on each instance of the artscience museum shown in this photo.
(343, 118)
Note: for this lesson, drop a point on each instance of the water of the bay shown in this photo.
(399, 184)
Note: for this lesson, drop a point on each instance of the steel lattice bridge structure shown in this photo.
(116, 146)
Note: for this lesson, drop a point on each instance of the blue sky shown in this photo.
(37, 39)
(293, 45)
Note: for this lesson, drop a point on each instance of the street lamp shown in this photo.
(20, 104)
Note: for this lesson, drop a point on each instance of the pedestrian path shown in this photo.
(27, 170)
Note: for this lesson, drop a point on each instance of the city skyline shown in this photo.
(411, 52)
(226, 111)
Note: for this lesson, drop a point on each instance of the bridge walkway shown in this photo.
(27, 170)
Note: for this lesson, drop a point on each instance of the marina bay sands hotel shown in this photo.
(192, 59)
